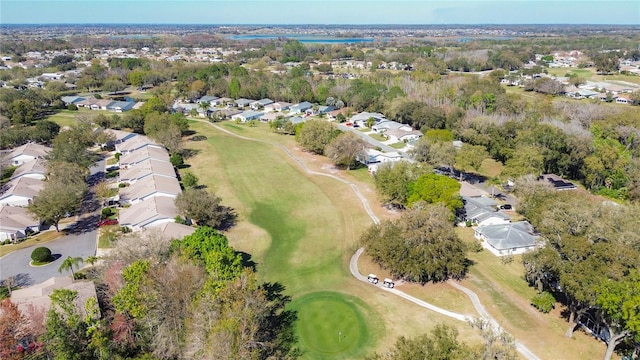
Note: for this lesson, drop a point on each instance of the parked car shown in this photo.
(107, 222)
(505, 207)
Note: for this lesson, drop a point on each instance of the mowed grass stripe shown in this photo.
(302, 222)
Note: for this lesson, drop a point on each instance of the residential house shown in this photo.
(119, 135)
(149, 187)
(242, 103)
(623, 99)
(295, 120)
(101, 104)
(228, 113)
(87, 103)
(25, 153)
(21, 191)
(16, 223)
(374, 158)
(277, 107)
(482, 211)
(68, 100)
(149, 213)
(385, 125)
(322, 109)
(397, 135)
(146, 153)
(300, 108)
(208, 99)
(247, 116)
(121, 106)
(146, 168)
(362, 118)
(35, 169)
(38, 296)
(260, 104)
(507, 239)
(136, 143)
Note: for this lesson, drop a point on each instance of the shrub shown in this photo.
(41, 254)
(112, 174)
(176, 160)
(122, 185)
(199, 138)
(125, 229)
(117, 156)
(543, 301)
(72, 107)
(106, 212)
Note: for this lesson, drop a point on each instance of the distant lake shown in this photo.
(302, 38)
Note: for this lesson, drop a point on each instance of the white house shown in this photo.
(149, 187)
(374, 158)
(398, 135)
(260, 104)
(149, 213)
(27, 152)
(385, 125)
(508, 239)
(362, 118)
(16, 223)
(35, 169)
(21, 191)
(247, 116)
(482, 211)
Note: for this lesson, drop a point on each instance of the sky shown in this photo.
(319, 12)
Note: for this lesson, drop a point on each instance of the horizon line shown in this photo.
(322, 24)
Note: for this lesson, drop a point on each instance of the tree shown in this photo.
(434, 189)
(471, 156)
(315, 135)
(618, 303)
(420, 246)
(204, 208)
(234, 88)
(56, 201)
(441, 344)
(392, 180)
(113, 85)
(345, 149)
(69, 263)
(68, 335)
(71, 146)
(12, 328)
(189, 180)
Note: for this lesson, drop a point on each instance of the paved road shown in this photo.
(82, 243)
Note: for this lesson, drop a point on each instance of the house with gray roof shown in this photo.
(146, 153)
(27, 152)
(208, 99)
(136, 143)
(68, 100)
(148, 213)
(508, 239)
(385, 125)
(247, 116)
(260, 104)
(149, 187)
(38, 296)
(277, 106)
(121, 106)
(146, 168)
(243, 103)
(21, 191)
(301, 107)
(482, 211)
(361, 118)
(35, 169)
(16, 222)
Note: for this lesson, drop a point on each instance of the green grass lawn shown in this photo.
(332, 325)
(301, 231)
(398, 145)
(490, 168)
(378, 137)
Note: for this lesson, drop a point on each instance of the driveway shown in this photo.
(81, 242)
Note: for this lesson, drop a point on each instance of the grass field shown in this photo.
(332, 324)
(39, 239)
(302, 229)
(490, 168)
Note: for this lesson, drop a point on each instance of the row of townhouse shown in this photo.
(23, 186)
(101, 104)
(148, 200)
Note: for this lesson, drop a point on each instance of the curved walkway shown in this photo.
(353, 263)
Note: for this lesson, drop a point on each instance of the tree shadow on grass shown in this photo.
(247, 261)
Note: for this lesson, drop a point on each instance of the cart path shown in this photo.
(353, 263)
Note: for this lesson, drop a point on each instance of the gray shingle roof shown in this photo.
(509, 236)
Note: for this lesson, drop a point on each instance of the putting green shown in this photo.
(331, 325)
